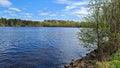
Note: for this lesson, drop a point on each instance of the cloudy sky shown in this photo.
(44, 9)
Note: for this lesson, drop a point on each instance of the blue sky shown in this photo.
(44, 9)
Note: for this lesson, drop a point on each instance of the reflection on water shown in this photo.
(38, 47)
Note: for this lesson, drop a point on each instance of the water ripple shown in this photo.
(25, 47)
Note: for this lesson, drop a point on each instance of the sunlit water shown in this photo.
(38, 47)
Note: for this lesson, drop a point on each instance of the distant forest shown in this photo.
(45, 23)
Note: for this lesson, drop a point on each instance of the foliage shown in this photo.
(88, 38)
(106, 34)
(110, 64)
(115, 64)
(116, 56)
(48, 23)
(102, 65)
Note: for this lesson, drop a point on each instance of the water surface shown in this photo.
(38, 47)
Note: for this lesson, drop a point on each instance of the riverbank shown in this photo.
(86, 62)
(90, 61)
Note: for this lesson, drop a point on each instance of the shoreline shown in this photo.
(87, 61)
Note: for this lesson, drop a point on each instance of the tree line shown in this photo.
(45, 23)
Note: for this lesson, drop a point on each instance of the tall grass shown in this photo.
(113, 63)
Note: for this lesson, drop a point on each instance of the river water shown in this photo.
(38, 47)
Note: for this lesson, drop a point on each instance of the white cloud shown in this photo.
(28, 15)
(63, 1)
(52, 15)
(14, 9)
(74, 8)
(5, 3)
(13, 14)
(44, 13)
(72, 2)
(82, 11)
(75, 5)
(8, 4)
(70, 7)
(7, 11)
(77, 12)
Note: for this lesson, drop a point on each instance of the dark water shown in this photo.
(38, 47)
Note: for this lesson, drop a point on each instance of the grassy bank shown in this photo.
(114, 62)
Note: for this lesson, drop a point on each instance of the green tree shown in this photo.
(106, 34)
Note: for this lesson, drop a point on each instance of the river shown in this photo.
(38, 47)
